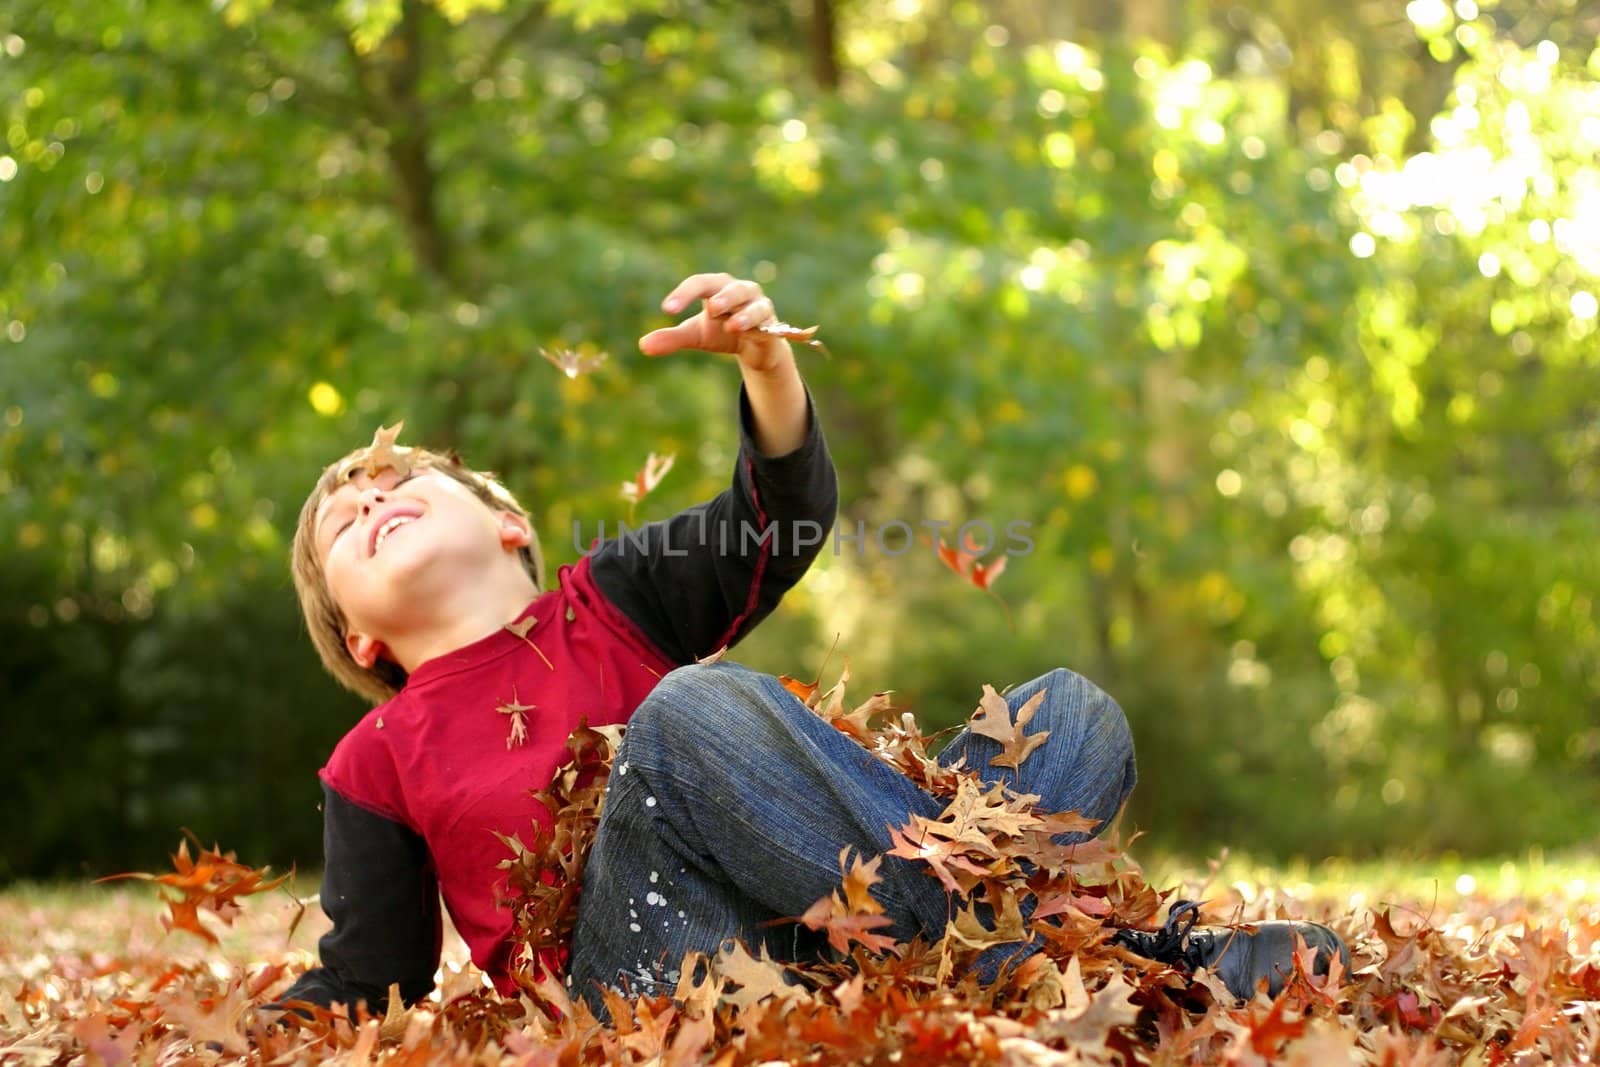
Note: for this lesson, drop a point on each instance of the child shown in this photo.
(729, 803)
(423, 588)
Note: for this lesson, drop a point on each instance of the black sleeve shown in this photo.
(703, 578)
(379, 889)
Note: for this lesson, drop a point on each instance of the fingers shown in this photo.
(734, 299)
(732, 306)
(751, 315)
(695, 287)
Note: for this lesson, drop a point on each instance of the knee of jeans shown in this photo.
(688, 704)
(1100, 717)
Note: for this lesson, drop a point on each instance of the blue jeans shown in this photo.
(729, 802)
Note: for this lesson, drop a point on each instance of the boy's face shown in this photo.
(392, 545)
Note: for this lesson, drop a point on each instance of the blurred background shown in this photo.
(1277, 322)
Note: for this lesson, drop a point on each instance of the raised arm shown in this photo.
(703, 578)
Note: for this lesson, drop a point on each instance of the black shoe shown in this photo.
(1240, 955)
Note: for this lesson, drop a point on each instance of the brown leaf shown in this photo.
(757, 979)
(521, 628)
(853, 916)
(519, 726)
(215, 1019)
(993, 719)
(382, 454)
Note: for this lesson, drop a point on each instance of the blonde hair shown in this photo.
(324, 619)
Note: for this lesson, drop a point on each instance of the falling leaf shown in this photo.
(644, 483)
(572, 362)
(213, 884)
(963, 561)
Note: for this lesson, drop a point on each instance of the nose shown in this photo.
(370, 498)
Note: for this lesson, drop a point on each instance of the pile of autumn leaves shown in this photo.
(1501, 988)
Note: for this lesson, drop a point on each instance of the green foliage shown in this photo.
(1292, 383)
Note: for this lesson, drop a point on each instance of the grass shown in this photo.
(121, 917)
(1561, 882)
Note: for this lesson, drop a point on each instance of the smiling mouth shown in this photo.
(389, 527)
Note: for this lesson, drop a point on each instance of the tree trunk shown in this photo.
(416, 182)
(824, 45)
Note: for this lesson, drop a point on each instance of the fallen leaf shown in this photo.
(993, 720)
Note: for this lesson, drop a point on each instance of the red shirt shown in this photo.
(436, 759)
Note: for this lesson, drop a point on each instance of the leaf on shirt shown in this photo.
(519, 724)
(521, 628)
(572, 362)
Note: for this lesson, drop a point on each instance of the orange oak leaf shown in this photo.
(808, 693)
(212, 883)
(854, 915)
(1267, 1034)
(963, 561)
(805, 691)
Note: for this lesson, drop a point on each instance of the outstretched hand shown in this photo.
(727, 322)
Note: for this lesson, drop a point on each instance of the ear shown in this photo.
(365, 650)
(516, 532)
